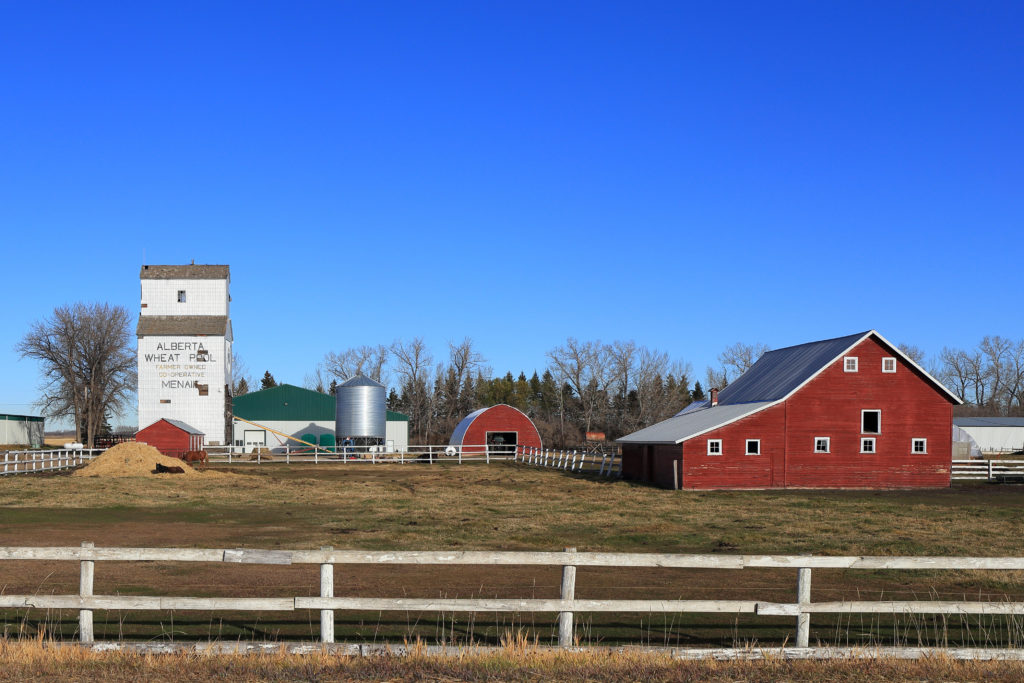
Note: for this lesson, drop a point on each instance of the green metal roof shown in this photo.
(36, 418)
(288, 402)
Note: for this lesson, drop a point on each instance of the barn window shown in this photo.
(867, 445)
(871, 422)
(165, 400)
(822, 444)
(753, 447)
(919, 445)
(850, 364)
(181, 296)
(888, 364)
(714, 446)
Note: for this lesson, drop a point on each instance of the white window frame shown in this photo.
(715, 441)
(847, 366)
(889, 359)
(913, 444)
(828, 444)
(746, 450)
(182, 297)
(871, 410)
(874, 444)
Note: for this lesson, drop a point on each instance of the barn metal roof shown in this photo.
(460, 429)
(157, 325)
(774, 376)
(681, 427)
(183, 426)
(191, 272)
(777, 373)
(988, 421)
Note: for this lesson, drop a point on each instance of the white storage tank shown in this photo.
(361, 409)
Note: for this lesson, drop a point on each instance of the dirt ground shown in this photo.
(499, 506)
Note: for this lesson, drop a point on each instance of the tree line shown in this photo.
(88, 365)
(584, 386)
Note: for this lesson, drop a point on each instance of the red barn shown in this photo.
(501, 428)
(171, 437)
(852, 412)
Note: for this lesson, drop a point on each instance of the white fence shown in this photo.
(429, 454)
(605, 465)
(26, 462)
(566, 605)
(988, 470)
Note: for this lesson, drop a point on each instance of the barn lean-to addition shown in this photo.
(851, 412)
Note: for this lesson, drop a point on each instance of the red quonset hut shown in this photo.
(852, 412)
(171, 437)
(500, 428)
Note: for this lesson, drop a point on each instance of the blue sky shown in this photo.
(683, 175)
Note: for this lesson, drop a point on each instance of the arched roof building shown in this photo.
(497, 426)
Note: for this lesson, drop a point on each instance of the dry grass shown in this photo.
(503, 506)
(508, 507)
(39, 660)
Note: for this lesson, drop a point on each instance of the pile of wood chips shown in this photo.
(131, 459)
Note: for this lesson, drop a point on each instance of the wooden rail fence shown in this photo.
(24, 462)
(988, 470)
(604, 465)
(566, 605)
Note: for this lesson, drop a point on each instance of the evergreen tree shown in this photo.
(268, 381)
(698, 393)
(334, 387)
(241, 387)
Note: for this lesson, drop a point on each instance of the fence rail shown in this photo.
(988, 470)
(566, 605)
(605, 465)
(25, 462)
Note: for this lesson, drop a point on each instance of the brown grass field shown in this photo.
(35, 660)
(504, 506)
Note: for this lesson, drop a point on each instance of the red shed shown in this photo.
(852, 412)
(501, 428)
(171, 437)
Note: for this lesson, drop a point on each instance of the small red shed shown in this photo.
(501, 428)
(850, 412)
(171, 437)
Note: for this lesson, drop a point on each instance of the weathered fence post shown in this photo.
(675, 475)
(989, 469)
(568, 593)
(803, 597)
(327, 591)
(85, 582)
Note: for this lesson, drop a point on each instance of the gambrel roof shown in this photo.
(772, 379)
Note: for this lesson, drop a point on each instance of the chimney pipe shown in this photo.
(714, 397)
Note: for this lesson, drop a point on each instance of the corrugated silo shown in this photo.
(362, 409)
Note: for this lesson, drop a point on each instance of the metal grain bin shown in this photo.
(362, 409)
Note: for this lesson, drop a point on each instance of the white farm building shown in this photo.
(184, 352)
(991, 434)
(21, 430)
(268, 417)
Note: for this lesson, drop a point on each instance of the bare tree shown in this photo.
(88, 366)
(317, 380)
(739, 358)
(367, 360)
(584, 366)
(241, 379)
(412, 364)
(955, 370)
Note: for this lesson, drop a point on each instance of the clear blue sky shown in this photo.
(684, 175)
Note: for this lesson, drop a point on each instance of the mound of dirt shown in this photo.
(132, 459)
